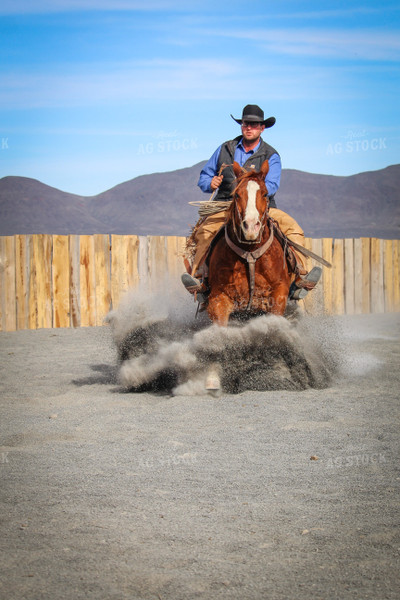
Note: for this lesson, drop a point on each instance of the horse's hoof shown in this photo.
(213, 381)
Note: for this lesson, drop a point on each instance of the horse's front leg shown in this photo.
(219, 308)
(278, 299)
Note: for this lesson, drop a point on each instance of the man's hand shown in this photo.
(216, 181)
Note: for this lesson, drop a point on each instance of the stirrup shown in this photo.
(202, 297)
(298, 289)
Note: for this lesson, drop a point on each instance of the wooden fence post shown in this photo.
(307, 303)
(102, 276)
(61, 281)
(131, 261)
(22, 280)
(157, 262)
(349, 295)
(175, 266)
(396, 275)
(388, 275)
(366, 274)
(314, 301)
(124, 265)
(358, 274)
(74, 278)
(87, 281)
(327, 275)
(377, 296)
(143, 261)
(40, 305)
(338, 306)
(8, 321)
(117, 271)
(318, 292)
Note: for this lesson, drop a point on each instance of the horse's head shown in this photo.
(250, 201)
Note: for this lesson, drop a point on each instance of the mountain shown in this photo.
(29, 206)
(362, 205)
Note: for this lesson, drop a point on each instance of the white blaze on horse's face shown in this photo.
(251, 222)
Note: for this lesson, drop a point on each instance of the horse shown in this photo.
(247, 268)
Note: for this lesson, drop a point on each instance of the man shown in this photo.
(250, 151)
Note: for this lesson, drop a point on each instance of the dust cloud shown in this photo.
(163, 347)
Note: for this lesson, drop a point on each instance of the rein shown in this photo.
(251, 257)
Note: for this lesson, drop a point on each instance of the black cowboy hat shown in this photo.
(252, 112)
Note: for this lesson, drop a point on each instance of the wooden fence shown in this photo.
(73, 281)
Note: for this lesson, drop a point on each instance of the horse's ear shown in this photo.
(237, 169)
(264, 168)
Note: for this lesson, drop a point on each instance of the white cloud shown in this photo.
(114, 84)
(119, 83)
(322, 13)
(366, 44)
(53, 6)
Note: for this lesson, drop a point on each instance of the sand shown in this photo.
(279, 494)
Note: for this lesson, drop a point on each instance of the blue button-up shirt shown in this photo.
(272, 179)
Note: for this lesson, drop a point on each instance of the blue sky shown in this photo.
(96, 92)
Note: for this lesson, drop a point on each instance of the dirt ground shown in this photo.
(107, 494)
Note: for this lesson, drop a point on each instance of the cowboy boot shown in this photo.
(196, 286)
(304, 283)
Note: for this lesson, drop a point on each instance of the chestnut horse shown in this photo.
(248, 271)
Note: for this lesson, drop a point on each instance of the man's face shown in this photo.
(251, 131)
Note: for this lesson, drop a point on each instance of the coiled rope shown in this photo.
(210, 207)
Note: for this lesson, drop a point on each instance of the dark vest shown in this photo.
(227, 153)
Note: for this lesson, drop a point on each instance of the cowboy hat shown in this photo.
(252, 112)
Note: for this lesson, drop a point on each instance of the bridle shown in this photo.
(240, 219)
(250, 256)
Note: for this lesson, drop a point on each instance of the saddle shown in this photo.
(287, 246)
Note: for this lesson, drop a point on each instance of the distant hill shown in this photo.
(362, 205)
(366, 204)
